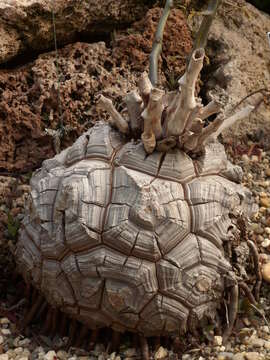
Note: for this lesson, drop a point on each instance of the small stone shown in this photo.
(266, 272)
(267, 345)
(113, 356)
(24, 342)
(130, 352)
(4, 321)
(161, 353)
(265, 201)
(239, 356)
(101, 357)
(26, 353)
(50, 355)
(18, 350)
(265, 329)
(225, 356)
(256, 342)
(257, 228)
(22, 357)
(266, 243)
(267, 230)
(6, 332)
(186, 357)
(252, 356)
(267, 172)
(62, 355)
(255, 158)
(1, 339)
(245, 158)
(217, 340)
(4, 357)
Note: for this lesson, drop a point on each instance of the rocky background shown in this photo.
(102, 47)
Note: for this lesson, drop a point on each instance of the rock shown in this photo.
(5, 332)
(18, 19)
(133, 47)
(267, 172)
(5, 320)
(245, 158)
(4, 357)
(217, 341)
(252, 356)
(1, 339)
(266, 272)
(239, 356)
(225, 356)
(131, 352)
(266, 243)
(255, 342)
(62, 355)
(267, 230)
(265, 201)
(113, 356)
(50, 355)
(161, 353)
(238, 47)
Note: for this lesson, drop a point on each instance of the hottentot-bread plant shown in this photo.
(129, 228)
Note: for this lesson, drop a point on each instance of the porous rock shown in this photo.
(26, 25)
(133, 46)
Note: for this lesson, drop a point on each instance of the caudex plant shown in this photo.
(139, 226)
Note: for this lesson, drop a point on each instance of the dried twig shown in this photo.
(232, 313)
(116, 118)
(187, 102)
(255, 256)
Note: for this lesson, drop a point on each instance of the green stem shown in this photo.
(157, 45)
(202, 35)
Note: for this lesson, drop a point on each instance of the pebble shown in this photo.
(6, 332)
(4, 357)
(131, 352)
(267, 171)
(50, 355)
(266, 272)
(217, 340)
(265, 201)
(266, 243)
(255, 342)
(225, 356)
(62, 355)
(4, 321)
(161, 353)
(252, 356)
(267, 230)
(239, 356)
(18, 350)
(1, 339)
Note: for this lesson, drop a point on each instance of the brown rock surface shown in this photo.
(239, 55)
(134, 45)
(26, 25)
